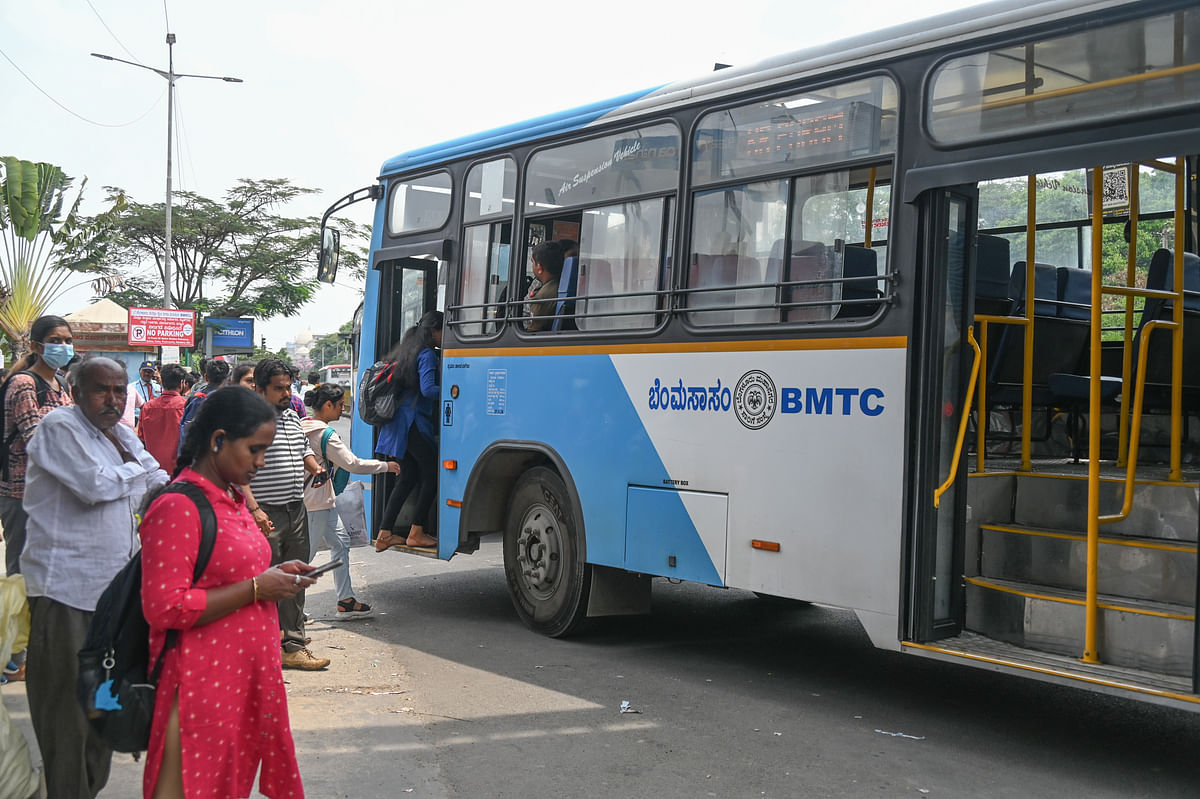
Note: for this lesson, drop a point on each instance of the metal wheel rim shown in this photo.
(540, 550)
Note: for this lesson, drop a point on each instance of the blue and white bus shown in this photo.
(897, 324)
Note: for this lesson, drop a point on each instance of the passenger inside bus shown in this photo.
(543, 294)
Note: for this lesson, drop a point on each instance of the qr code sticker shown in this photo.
(1116, 187)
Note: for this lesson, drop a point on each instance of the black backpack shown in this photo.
(43, 390)
(377, 394)
(115, 686)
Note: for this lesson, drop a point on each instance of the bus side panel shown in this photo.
(808, 446)
(578, 406)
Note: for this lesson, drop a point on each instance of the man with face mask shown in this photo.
(87, 475)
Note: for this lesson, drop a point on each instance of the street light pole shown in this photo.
(171, 75)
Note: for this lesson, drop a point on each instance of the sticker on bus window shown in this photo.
(497, 391)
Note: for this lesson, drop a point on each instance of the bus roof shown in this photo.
(951, 27)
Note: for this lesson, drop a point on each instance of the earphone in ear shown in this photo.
(218, 442)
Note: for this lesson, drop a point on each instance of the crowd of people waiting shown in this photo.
(84, 457)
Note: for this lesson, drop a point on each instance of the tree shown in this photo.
(332, 347)
(43, 246)
(240, 257)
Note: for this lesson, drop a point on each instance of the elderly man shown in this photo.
(87, 476)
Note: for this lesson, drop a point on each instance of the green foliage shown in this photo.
(43, 245)
(239, 257)
(332, 347)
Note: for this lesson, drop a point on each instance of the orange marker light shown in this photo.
(767, 546)
(454, 503)
(449, 465)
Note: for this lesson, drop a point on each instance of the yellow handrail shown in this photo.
(984, 321)
(962, 425)
(1136, 423)
(1091, 652)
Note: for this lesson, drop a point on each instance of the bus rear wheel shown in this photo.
(543, 556)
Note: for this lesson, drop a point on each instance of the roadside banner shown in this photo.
(162, 327)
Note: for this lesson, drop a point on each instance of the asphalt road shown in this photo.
(445, 693)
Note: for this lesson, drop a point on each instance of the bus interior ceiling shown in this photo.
(1026, 521)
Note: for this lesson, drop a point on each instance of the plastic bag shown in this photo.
(352, 512)
(17, 776)
(14, 616)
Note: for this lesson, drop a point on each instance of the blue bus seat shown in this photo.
(1158, 369)
(1045, 289)
(568, 288)
(859, 267)
(810, 261)
(1075, 293)
(991, 276)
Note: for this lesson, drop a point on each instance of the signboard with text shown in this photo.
(232, 335)
(162, 327)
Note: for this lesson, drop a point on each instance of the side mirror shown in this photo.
(331, 242)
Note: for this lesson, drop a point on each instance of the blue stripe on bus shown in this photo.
(598, 435)
(509, 135)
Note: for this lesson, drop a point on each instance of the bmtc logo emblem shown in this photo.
(754, 399)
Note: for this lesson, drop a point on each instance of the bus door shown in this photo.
(408, 288)
(944, 360)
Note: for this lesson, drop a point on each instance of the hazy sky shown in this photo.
(333, 89)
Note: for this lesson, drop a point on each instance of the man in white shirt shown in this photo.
(86, 477)
(144, 389)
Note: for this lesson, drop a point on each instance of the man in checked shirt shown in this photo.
(276, 500)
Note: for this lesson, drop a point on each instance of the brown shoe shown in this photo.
(303, 659)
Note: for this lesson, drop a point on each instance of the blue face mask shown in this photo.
(57, 355)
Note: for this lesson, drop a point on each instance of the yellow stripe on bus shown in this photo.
(1141, 689)
(647, 347)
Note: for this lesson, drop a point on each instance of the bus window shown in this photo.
(831, 241)
(419, 204)
(490, 189)
(484, 275)
(737, 240)
(619, 252)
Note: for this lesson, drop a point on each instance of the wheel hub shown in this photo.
(539, 551)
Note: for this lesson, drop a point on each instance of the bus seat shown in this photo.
(568, 288)
(810, 261)
(859, 262)
(1158, 369)
(750, 272)
(711, 271)
(1045, 289)
(1074, 293)
(991, 276)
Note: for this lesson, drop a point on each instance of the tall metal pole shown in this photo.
(171, 75)
(167, 276)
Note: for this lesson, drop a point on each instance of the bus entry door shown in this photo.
(944, 369)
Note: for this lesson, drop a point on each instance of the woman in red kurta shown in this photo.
(221, 709)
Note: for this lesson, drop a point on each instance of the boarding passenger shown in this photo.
(327, 401)
(543, 294)
(411, 435)
(159, 426)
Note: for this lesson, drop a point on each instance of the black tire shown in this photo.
(544, 556)
(782, 601)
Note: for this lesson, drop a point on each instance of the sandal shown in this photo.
(383, 542)
(352, 609)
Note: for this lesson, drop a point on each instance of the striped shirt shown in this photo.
(281, 480)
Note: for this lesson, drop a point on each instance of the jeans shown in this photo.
(326, 525)
(418, 470)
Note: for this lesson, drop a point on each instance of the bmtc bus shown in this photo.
(897, 324)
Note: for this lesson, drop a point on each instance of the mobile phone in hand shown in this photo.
(317, 572)
(320, 478)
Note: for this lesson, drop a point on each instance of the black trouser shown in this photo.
(13, 518)
(419, 470)
(289, 541)
(74, 758)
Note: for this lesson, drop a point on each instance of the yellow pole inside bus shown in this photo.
(870, 211)
(1090, 654)
(1177, 339)
(1127, 348)
(1027, 377)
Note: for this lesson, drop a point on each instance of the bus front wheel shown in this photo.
(543, 556)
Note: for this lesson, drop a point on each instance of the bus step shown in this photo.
(425, 552)
(1136, 633)
(1160, 509)
(1139, 568)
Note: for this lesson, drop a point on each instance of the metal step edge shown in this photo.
(1139, 607)
(1136, 541)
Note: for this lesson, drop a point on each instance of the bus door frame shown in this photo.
(394, 318)
(936, 606)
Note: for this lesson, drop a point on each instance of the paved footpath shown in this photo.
(356, 724)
